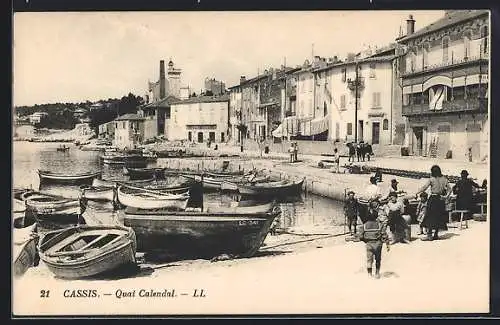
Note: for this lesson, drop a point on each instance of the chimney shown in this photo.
(410, 25)
(242, 79)
(162, 79)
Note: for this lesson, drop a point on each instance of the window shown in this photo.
(406, 99)
(385, 124)
(467, 38)
(445, 45)
(123, 124)
(425, 55)
(376, 99)
(413, 60)
(222, 137)
(349, 128)
(344, 74)
(342, 101)
(373, 66)
(484, 39)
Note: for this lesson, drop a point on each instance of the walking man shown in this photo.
(336, 160)
(374, 235)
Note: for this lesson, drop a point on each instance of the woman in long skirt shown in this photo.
(436, 217)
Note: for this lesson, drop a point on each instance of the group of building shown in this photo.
(427, 91)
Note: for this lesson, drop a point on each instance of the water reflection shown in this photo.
(300, 211)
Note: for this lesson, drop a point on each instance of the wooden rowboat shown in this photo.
(238, 208)
(115, 182)
(75, 179)
(52, 210)
(101, 193)
(24, 250)
(144, 173)
(143, 199)
(84, 251)
(277, 188)
(199, 234)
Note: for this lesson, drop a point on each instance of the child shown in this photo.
(374, 235)
(422, 210)
(351, 209)
(394, 211)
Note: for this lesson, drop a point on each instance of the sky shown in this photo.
(79, 56)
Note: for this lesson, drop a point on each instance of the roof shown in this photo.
(165, 102)
(264, 75)
(382, 58)
(451, 18)
(129, 117)
(203, 99)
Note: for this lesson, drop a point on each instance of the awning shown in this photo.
(278, 133)
(315, 126)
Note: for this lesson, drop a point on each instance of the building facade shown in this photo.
(200, 119)
(107, 130)
(216, 87)
(235, 107)
(445, 86)
(156, 117)
(129, 131)
(168, 84)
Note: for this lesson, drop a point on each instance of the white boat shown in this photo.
(143, 199)
(98, 193)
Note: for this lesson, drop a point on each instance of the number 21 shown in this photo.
(44, 293)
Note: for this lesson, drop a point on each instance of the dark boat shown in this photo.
(62, 148)
(270, 189)
(144, 173)
(24, 250)
(51, 211)
(60, 178)
(84, 251)
(199, 234)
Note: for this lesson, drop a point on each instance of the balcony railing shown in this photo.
(473, 105)
(447, 64)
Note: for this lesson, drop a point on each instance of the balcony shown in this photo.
(470, 105)
(449, 65)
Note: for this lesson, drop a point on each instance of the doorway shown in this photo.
(200, 137)
(443, 142)
(473, 140)
(190, 136)
(211, 136)
(360, 130)
(376, 133)
(418, 145)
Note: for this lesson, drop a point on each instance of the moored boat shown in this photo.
(51, 210)
(199, 234)
(100, 193)
(74, 179)
(84, 251)
(275, 188)
(239, 208)
(145, 199)
(144, 173)
(24, 250)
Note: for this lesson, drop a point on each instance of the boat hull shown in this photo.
(146, 173)
(105, 261)
(24, 253)
(278, 190)
(99, 193)
(85, 179)
(145, 201)
(202, 235)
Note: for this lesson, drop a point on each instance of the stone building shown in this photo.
(445, 85)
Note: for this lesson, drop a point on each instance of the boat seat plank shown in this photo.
(92, 242)
(112, 242)
(58, 254)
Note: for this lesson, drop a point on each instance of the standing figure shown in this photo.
(372, 192)
(352, 151)
(291, 152)
(358, 151)
(421, 211)
(369, 150)
(464, 191)
(397, 225)
(295, 152)
(374, 235)
(351, 208)
(336, 160)
(436, 216)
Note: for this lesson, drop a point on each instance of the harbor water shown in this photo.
(307, 212)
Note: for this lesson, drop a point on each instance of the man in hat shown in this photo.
(351, 208)
(464, 191)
